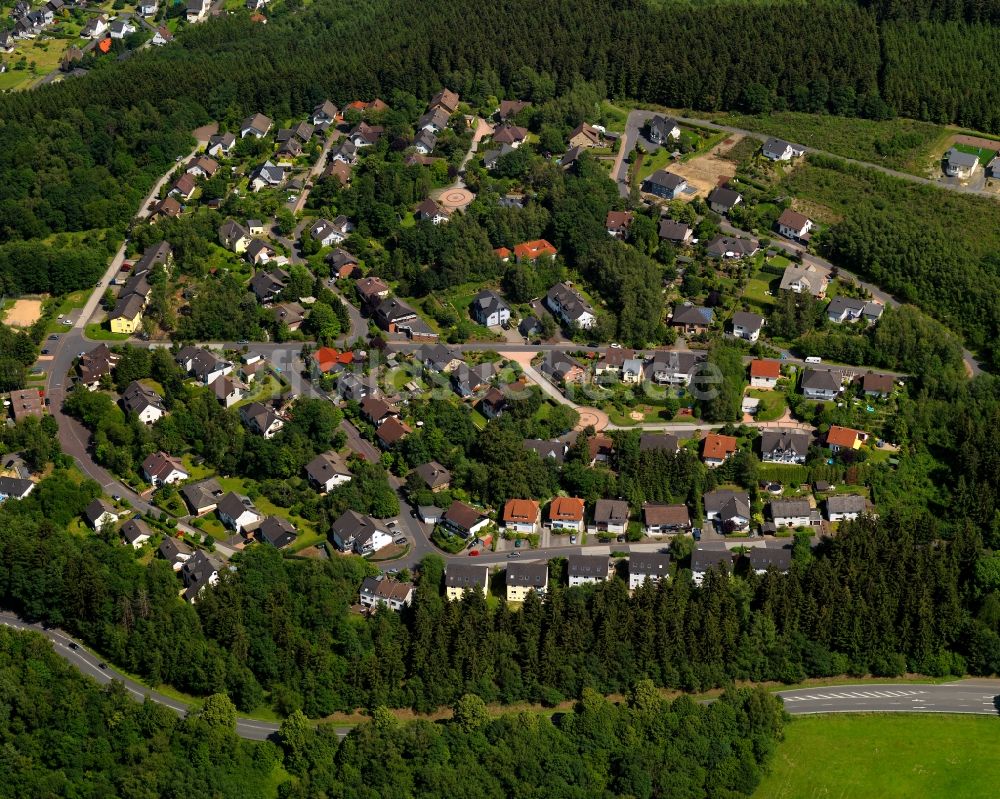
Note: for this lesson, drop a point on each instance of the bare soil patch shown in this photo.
(23, 313)
(704, 172)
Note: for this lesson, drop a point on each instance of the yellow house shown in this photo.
(523, 578)
(462, 577)
(127, 315)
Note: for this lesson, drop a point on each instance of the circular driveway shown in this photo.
(456, 199)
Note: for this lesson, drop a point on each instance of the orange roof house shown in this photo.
(716, 448)
(520, 511)
(566, 509)
(767, 370)
(502, 253)
(843, 438)
(104, 45)
(533, 250)
(328, 357)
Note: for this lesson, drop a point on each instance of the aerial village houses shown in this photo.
(462, 577)
(523, 578)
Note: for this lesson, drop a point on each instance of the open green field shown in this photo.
(886, 756)
(902, 144)
(984, 154)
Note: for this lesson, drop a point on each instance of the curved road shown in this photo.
(974, 696)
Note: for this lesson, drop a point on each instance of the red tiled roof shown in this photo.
(520, 510)
(530, 250)
(718, 447)
(566, 509)
(760, 368)
(841, 436)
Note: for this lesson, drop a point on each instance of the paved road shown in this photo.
(978, 696)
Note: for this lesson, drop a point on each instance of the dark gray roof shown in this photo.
(15, 487)
(703, 558)
(488, 302)
(203, 494)
(724, 197)
(958, 158)
(611, 511)
(846, 503)
(276, 532)
(654, 564)
(587, 566)
(771, 557)
(96, 509)
(692, 315)
(786, 508)
(171, 548)
(134, 529)
(137, 397)
(666, 179)
(547, 449)
(726, 501)
(821, 379)
(673, 231)
(776, 442)
(530, 575)
(326, 465)
(466, 575)
(433, 473)
(747, 320)
(721, 245)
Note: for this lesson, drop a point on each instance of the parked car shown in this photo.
(572, 539)
(401, 540)
(514, 555)
(473, 553)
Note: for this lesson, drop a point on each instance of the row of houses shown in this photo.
(391, 313)
(133, 297)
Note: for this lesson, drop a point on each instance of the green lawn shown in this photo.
(651, 162)
(268, 508)
(886, 756)
(757, 289)
(772, 404)
(985, 155)
(98, 332)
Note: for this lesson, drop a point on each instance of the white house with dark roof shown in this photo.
(143, 402)
(663, 130)
(821, 384)
(747, 326)
(256, 125)
(795, 226)
(488, 309)
(722, 200)
(570, 306)
(958, 164)
(780, 150)
(238, 513)
(730, 509)
(665, 184)
(845, 507)
(160, 469)
(136, 533)
(328, 470)
(784, 446)
(790, 512)
(588, 569)
(99, 513)
(704, 558)
(651, 566)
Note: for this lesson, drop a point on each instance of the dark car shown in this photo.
(54, 337)
(45, 352)
(514, 555)
(401, 540)
(73, 646)
(102, 665)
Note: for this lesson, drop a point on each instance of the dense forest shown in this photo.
(64, 736)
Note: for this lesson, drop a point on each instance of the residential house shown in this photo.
(383, 592)
(360, 533)
(147, 8)
(875, 385)
(328, 233)
(161, 469)
(434, 476)
(717, 448)
(238, 513)
(722, 200)
(175, 552)
(612, 360)
(511, 135)
(677, 233)
(198, 572)
(845, 507)
(692, 319)
(511, 108)
(120, 28)
(203, 167)
(467, 380)
(268, 284)
(439, 358)
(15, 488)
(392, 314)
(795, 226)
(821, 384)
(779, 150)
(372, 290)
(429, 514)
(764, 374)
(462, 577)
(445, 99)
(610, 516)
(325, 114)
(289, 314)
(491, 158)
(267, 175)
(790, 512)
(571, 156)
(430, 211)
(342, 263)
(377, 411)
(523, 578)
(365, 135)
(277, 532)
(747, 326)
(665, 184)
(493, 403)
(425, 142)
(434, 121)
(100, 513)
(262, 420)
(673, 367)
(143, 402)
(663, 130)
(531, 251)
(155, 255)
(729, 509)
(993, 168)
(617, 224)
(353, 388)
(784, 446)
(521, 516)
(546, 449)
(705, 558)
(136, 533)
(228, 390)
(256, 125)
(633, 371)
(600, 448)
(202, 497)
(764, 559)
(233, 236)
(727, 248)
(958, 164)
(204, 365)
(464, 520)
(260, 253)
(838, 438)
(651, 566)
(126, 316)
(344, 153)
(849, 309)
(588, 569)
(584, 136)
(196, 10)
(659, 442)
(26, 402)
(566, 514)
(95, 28)
(489, 309)
(392, 432)
(328, 470)
(662, 519)
(569, 305)
(808, 278)
(220, 143)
